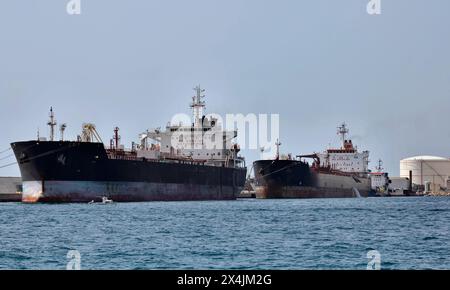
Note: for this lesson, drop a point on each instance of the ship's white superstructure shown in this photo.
(203, 140)
(347, 158)
(379, 179)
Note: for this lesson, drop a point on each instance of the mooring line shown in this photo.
(10, 164)
(6, 157)
(6, 150)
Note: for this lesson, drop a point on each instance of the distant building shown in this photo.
(399, 185)
(10, 188)
(430, 172)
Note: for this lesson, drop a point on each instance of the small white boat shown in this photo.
(106, 200)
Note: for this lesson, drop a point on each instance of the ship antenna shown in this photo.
(52, 124)
(379, 168)
(197, 105)
(343, 131)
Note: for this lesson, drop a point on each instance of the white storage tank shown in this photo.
(432, 171)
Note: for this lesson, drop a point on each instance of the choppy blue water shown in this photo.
(409, 233)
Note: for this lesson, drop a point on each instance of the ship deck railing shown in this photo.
(123, 155)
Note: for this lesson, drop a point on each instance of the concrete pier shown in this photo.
(10, 189)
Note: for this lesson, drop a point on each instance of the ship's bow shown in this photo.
(45, 165)
(273, 178)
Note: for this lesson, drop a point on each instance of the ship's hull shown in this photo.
(121, 191)
(295, 179)
(81, 172)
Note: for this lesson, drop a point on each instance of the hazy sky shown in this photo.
(316, 63)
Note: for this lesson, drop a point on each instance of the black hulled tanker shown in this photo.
(173, 169)
(297, 179)
(335, 173)
(80, 172)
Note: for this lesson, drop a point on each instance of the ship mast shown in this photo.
(379, 168)
(197, 105)
(343, 131)
(278, 144)
(62, 128)
(116, 137)
(52, 124)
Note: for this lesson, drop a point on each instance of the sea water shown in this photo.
(405, 233)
